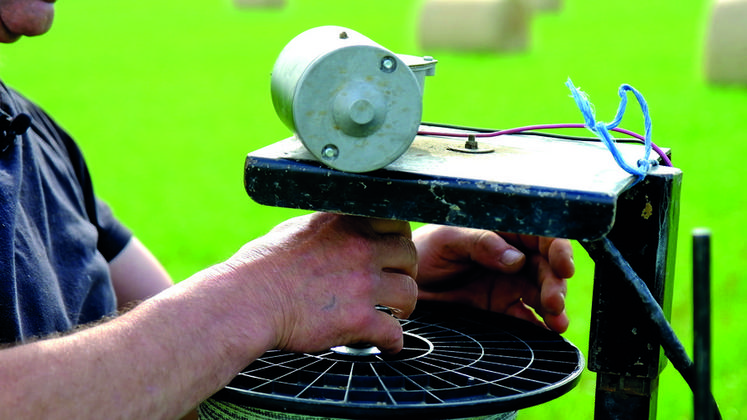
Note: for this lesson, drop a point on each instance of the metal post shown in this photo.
(623, 348)
(702, 323)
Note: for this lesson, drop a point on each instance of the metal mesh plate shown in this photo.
(457, 362)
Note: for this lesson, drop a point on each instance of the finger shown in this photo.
(383, 331)
(386, 227)
(509, 290)
(474, 293)
(465, 245)
(398, 292)
(520, 310)
(560, 255)
(528, 242)
(483, 247)
(544, 297)
(558, 323)
(390, 339)
(397, 254)
(492, 251)
(553, 289)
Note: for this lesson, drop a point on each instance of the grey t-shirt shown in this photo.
(56, 236)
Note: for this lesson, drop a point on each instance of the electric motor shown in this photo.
(355, 105)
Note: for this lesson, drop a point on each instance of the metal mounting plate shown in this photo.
(530, 184)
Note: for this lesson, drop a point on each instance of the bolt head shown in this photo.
(330, 152)
(388, 64)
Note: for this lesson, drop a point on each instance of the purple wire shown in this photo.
(517, 130)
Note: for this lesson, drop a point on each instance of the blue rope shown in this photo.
(602, 130)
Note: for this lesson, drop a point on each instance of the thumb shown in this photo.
(385, 333)
(490, 250)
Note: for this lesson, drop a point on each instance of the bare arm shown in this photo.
(310, 284)
(157, 361)
(136, 274)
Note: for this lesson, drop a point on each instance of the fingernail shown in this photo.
(511, 257)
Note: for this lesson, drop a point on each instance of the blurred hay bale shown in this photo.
(725, 58)
(546, 5)
(244, 4)
(475, 25)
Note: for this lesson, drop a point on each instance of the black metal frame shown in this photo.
(639, 218)
(624, 350)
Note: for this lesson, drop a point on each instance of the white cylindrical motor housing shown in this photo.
(355, 105)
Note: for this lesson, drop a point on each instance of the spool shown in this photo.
(457, 363)
(222, 410)
(355, 105)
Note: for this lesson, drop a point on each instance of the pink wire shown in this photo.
(517, 130)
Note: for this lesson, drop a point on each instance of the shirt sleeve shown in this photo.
(113, 235)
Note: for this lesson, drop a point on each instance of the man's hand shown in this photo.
(321, 277)
(520, 275)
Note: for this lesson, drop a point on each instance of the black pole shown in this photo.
(702, 323)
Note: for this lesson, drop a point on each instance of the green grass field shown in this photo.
(167, 97)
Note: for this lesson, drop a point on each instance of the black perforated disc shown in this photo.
(457, 362)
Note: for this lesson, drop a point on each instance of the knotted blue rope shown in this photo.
(602, 130)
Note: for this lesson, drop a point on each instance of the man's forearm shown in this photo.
(157, 361)
(310, 284)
